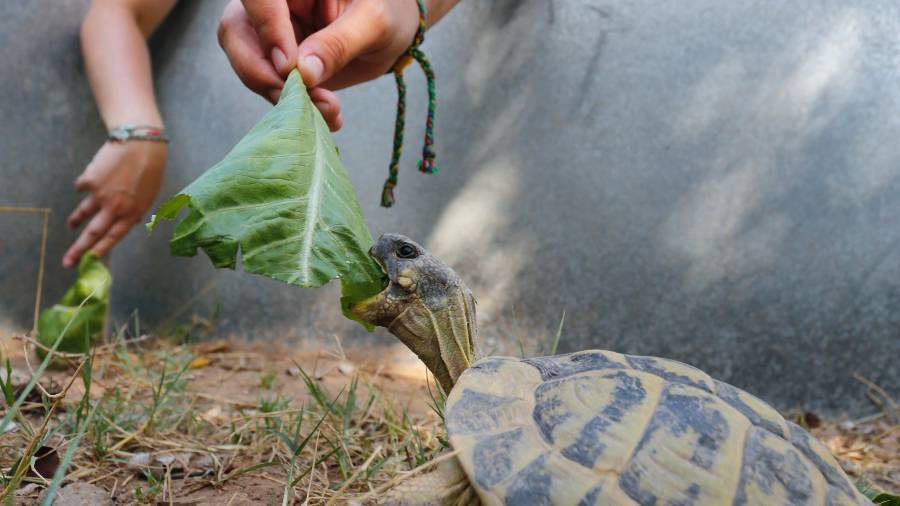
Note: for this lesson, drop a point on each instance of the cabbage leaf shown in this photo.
(84, 305)
(282, 198)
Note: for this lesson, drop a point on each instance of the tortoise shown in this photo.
(591, 427)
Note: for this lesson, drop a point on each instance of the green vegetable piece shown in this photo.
(876, 496)
(91, 288)
(283, 199)
(884, 499)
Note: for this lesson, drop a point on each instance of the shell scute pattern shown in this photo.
(549, 478)
(774, 472)
(496, 458)
(561, 366)
(671, 370)
(598, 427)
(589, 417)
(758, 412)
(480, 412)
(532, 485)
(688, 452)
(493, 456)
(485, 405)
(840, 489)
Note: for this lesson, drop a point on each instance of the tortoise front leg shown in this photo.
(447, 485)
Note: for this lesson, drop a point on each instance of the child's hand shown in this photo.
(122, 181)
(341, 43)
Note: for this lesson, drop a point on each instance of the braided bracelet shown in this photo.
(124, 133)
(427, 163)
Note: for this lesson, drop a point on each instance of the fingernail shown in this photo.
(312, 67)
(279, 59)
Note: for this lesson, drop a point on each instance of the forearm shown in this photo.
(113, 39)
(437, 9)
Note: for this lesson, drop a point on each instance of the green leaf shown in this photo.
(85, 321)
(876, 496)
(884, 499)
(283, 199)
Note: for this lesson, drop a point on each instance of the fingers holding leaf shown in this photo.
(246, 54)
(328, 103)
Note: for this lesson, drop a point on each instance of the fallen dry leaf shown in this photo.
(199, 362)
(210, 347)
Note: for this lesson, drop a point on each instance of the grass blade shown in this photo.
(245, 470)
(559, 330)
(60, 473)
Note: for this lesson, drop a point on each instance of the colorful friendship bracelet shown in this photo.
(124, 133)
(427, 163)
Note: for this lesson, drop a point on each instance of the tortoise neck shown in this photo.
(442, 333)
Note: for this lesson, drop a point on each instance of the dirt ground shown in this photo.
(229, 380)
(223, 384)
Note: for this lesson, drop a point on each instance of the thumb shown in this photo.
(272, 21)
(359, 30)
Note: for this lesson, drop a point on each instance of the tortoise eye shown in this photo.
(407, 251)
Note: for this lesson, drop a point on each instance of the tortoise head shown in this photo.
(425, 304)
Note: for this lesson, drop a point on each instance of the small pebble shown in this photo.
(27, 490)
(346, 368)
(213, 415)
(139, 460)
(166, 460)
(204, 462)
(79, 494)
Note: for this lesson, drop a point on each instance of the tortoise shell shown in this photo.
(598, 427)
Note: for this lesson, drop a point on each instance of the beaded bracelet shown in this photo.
(427, 163)
(124, 133)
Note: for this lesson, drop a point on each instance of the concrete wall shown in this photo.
(708, 182)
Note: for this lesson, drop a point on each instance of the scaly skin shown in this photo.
(426, 305)
(447, 485)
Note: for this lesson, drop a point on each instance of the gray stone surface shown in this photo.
(711, 182)
(82, 494)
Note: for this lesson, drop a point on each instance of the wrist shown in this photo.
(137, 132)
(138, 115)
